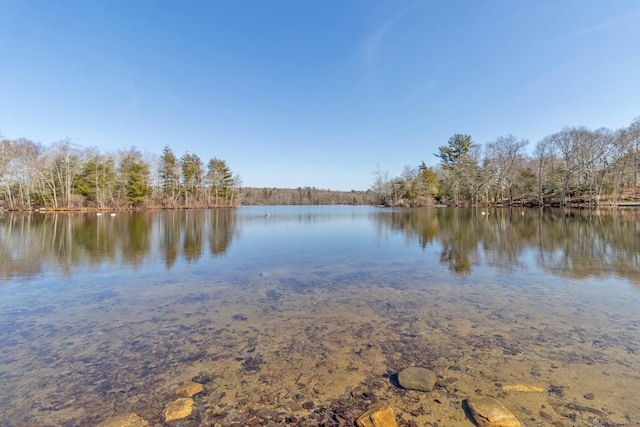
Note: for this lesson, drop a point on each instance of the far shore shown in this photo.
(44, 210)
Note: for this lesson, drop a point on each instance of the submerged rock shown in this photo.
(522, 387)
(377, 417)
(488, 412)
(201, 378)
(125, 420)
(180, 408)
(414, 378)
(189, 390)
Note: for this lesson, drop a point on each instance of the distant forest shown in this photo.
(306, 196)
(573, 167)
(65, 176)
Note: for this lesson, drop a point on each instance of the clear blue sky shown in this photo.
(314, 93)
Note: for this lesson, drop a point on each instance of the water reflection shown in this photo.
(576, 244)
(34, 245)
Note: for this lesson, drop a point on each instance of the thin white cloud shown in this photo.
(605, 25)
(372, 45)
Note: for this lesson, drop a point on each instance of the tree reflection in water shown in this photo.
(65, 242)
(571, 243)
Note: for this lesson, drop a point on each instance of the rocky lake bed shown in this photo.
(272, 355)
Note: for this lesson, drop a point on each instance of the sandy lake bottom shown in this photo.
(320, 347)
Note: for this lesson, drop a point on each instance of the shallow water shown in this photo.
(303, 315)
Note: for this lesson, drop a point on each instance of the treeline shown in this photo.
(66, 176)
(305, 196)
(575, 166)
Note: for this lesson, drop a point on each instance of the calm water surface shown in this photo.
(294, 315)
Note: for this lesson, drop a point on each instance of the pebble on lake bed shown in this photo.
(414, 378)
(125, 420)
(522, 387)
(189, 389)
(488, 412)
(178, 409)
(377, 417)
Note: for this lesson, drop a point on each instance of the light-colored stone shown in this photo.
(364, 420)
(488, 412)
(522, 387)
(384, 418)
(414, 378)
(125, 420)
(178, 409)
(189, 389)
(377, 417)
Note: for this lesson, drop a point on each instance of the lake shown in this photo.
(303, 315)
